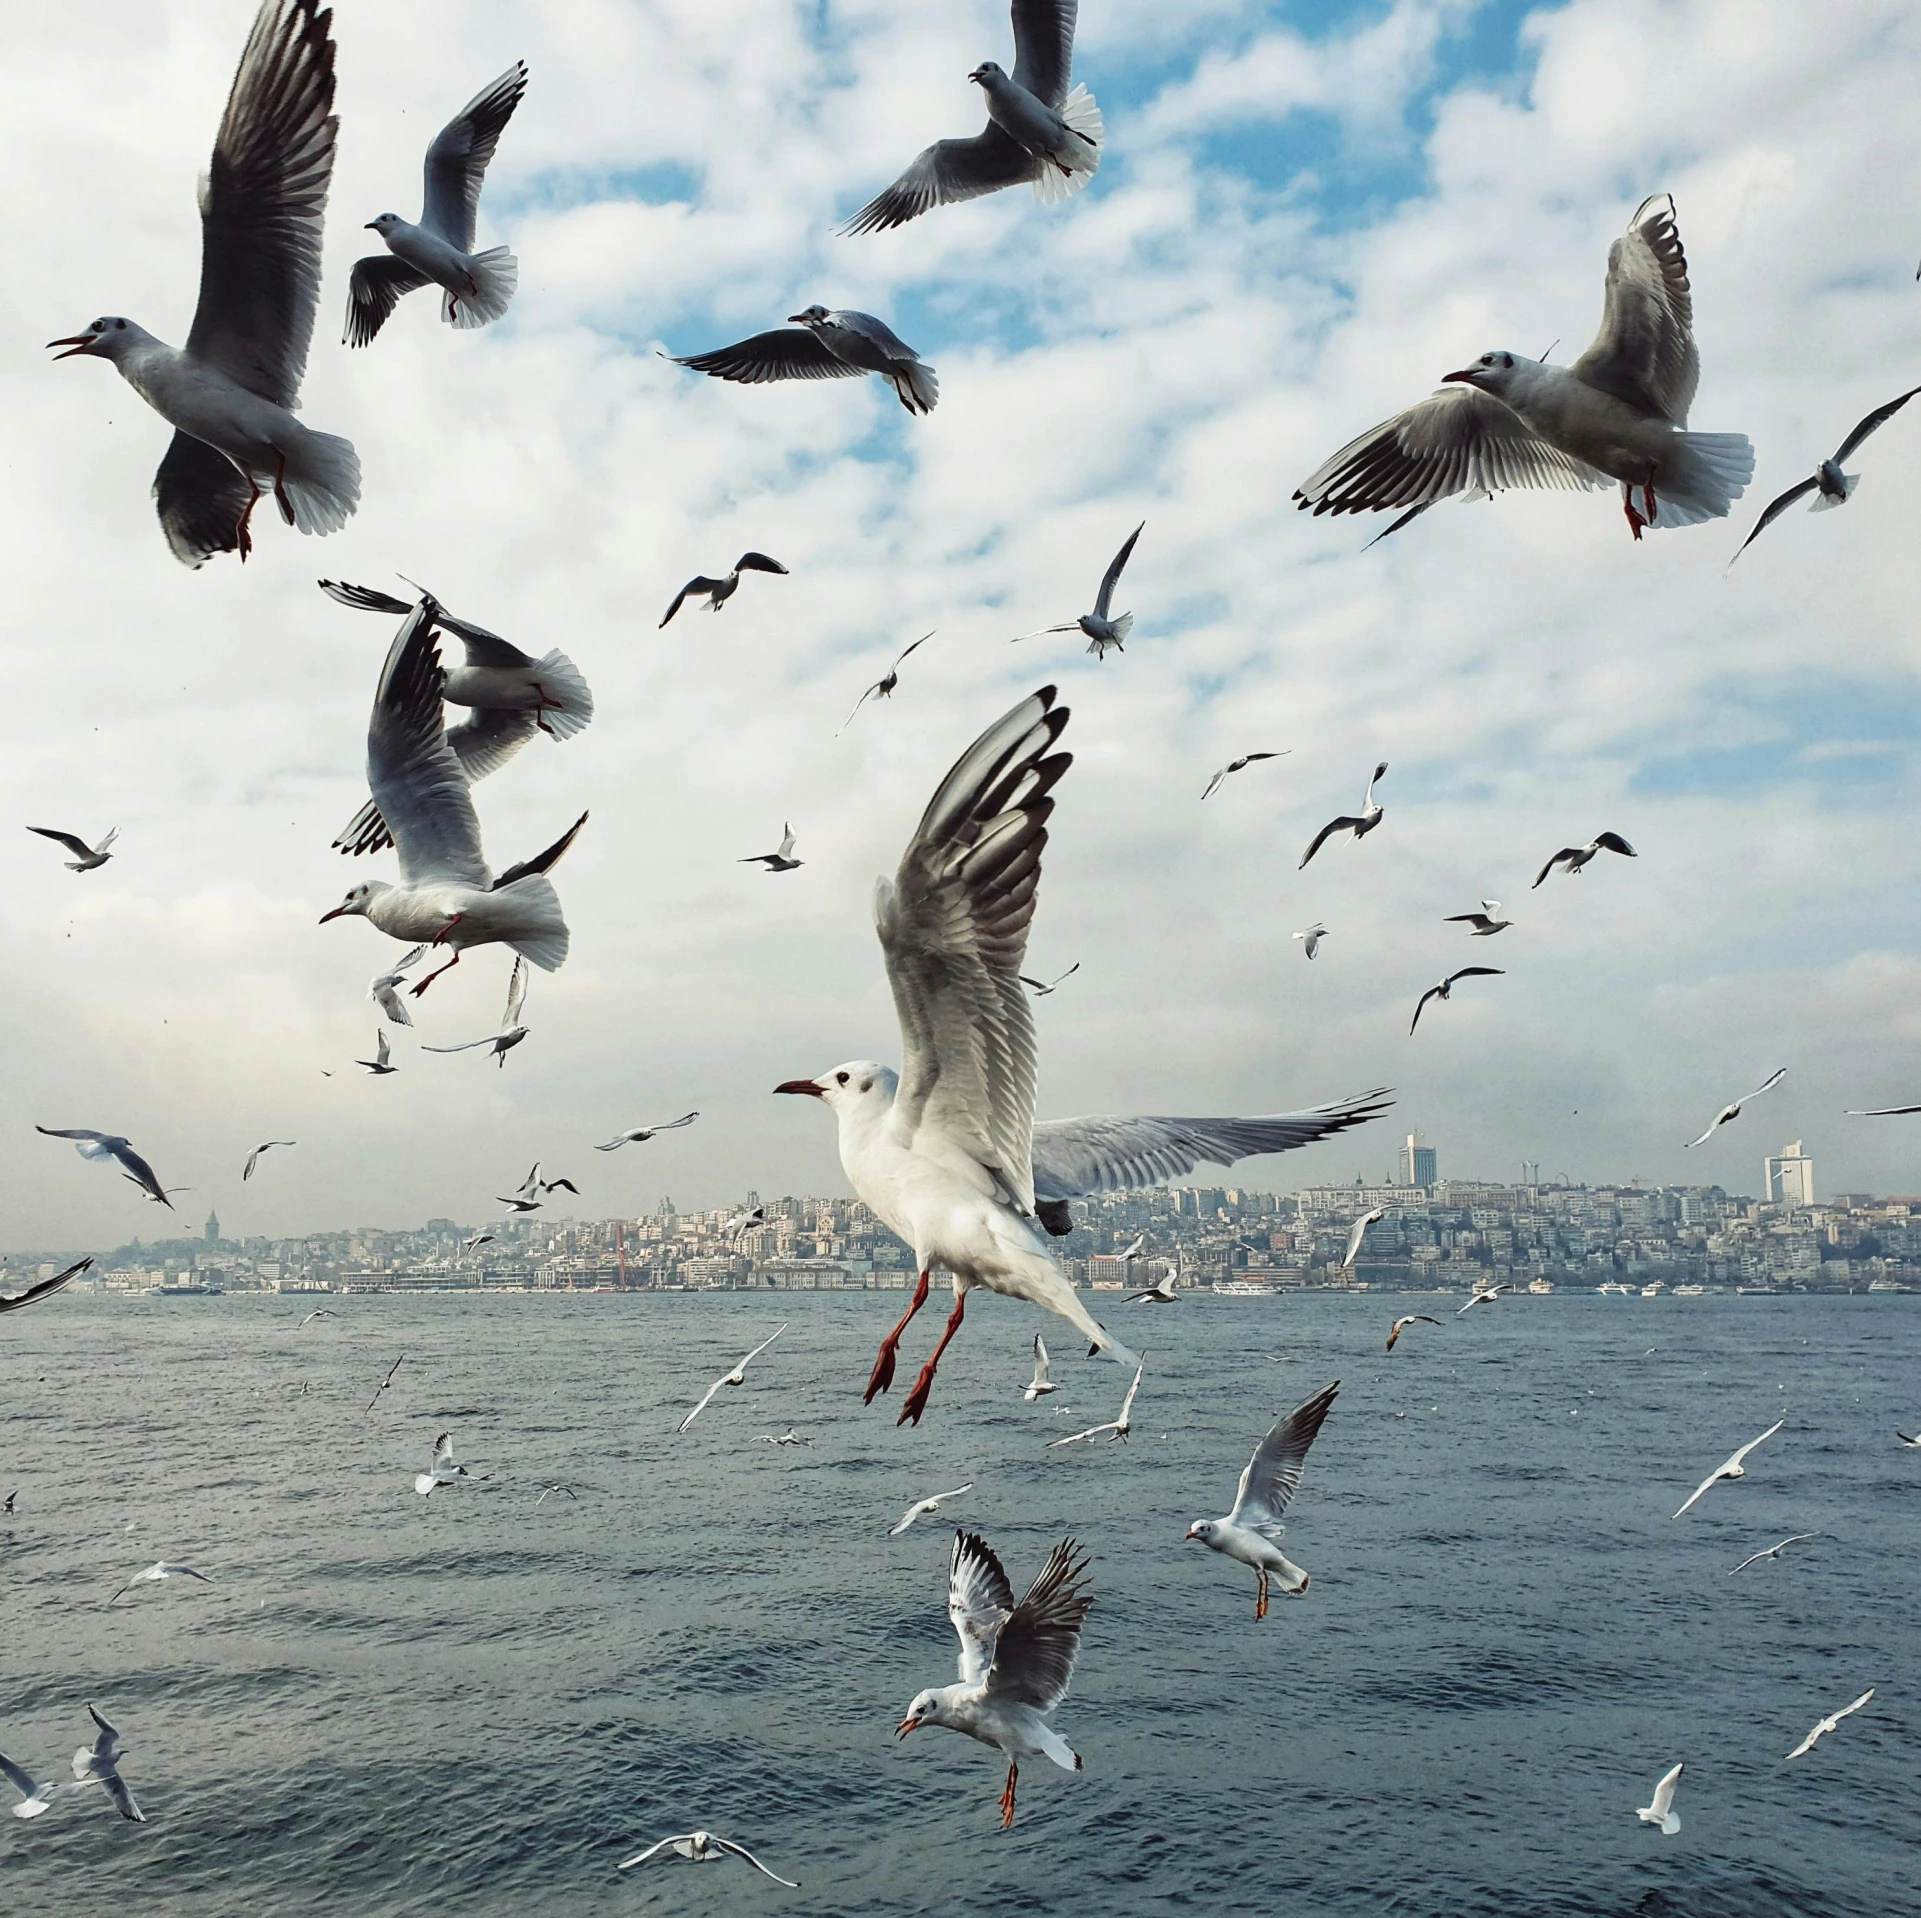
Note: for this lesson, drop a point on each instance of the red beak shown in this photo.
(78, 343)
(1466, 378)
(905, 1726)
(325, 916)
(805, 1087)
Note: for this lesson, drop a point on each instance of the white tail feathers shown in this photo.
(1702, 477)
(573, 703)
(322, 481)
(496, 274)
(1822, 501)
(536, 906)
(1123, 626)
(1068, 171)
(918, 388)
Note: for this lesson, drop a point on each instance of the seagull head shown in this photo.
(358, 899)
(809, 316)
(1492, 373)
(987, 73)
(107, 339)
(384, 224)
(1203, 1529)
(925, 1710)
(849, 1088)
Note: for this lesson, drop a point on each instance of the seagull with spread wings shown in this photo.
(819, 343)
(703, 1848)
(782, 860)
(1040, 1385)
(1239, 765)
(230, 394)
(1445, 990)
(253, 1157)
(1360, 825)
(1311, 937)
(387, 1381)
(1484, 1295)
(158, 1571)
(1660, 1810)
(1040, 988)
(1357, 1232)
(719, 591)
(883, 688)
(1575, 858)
(1619, 413)
(99, 1763)
(1830, 1723)
(476, 288)
(922, 1507)
(1771, 1551)
(1730, 1468)
(1162, 1291)
(1485, 923)
(1102, 630)
(444, 1470)
(640, 1134)
(1114, 1428)
(384, 987)
(511, 1030)
(85, 858)
(738, 1376)
(42, 1289)
(378, 1065)
(1881, 1112)
(1733, 1109)
(1015, 1660)
(1252, 1532)
(1401, 1324)
(1832, 486)
(109, 1145)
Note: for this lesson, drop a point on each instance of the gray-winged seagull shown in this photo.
(1732, 1110)
(1359, 824)
(781, 861)
(99, 1763)
(640, 1134)
(825, 344)
(703, 1848)
(511, 1030)
(110, 1145)
(41, 1289)
(719, 591)
(85, 858)
(378, 1065)
(738, 1376)
(1832, 486)
(1830, 1723)
(883, 688)
(253, 1157)
(157, 1572)
(1483, 924)
(1575, 858)
(1445, 990)
(1730, 1468)
(1240, 765)
(923, 1507)
(1102, 630)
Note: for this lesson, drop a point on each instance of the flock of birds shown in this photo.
(946, 1151)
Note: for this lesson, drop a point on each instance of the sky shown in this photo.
(1303, 217)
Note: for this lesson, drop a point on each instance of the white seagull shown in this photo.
(384, 987)
(1042, 987)
(1733, 1111)
(1101, 630)
(1015, 1660)
(922, 1507)
(1252, 1531)
(1360, 825)
(1162, 1291)
(109, 1145)
(99, 1763)
(1486, 1295)
(1311, 938)
(378, 1065)
(1881, 1112)
(444, 1471)
(478, 1239)
(1485, 923)
(823, 344)
(511, 1030)
(788, 1437)
(1240, 765)
(1574, 858)
(719, 591)
(640, 1134)
(1114, 1428)
(1661, 1810)
(1773, 1551)
(158, 1571)
(85, 858)
(1401, 1324)
(319, 1312)
(781, 861)
(738, 1376)
(1828, 481)
(35, 1797)
(253, 1157)
(1731, 1467)
(745, 1220)
(1619, 413)
(703, 1848)
(476, 287)
(1040, 1385)
(1830, 1723)
(447, 895)
(1913, 1444)
(41, 1289)
(230, 394)
(946, 1152)
(1357, 1232)
(1445, 990)
(387, 1381)
(883, 688)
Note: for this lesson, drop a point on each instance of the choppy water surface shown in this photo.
(474, 1704)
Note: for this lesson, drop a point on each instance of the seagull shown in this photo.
(1483, 1295)
(319, 1312)
(640, 1134)
(746, 1220)
(1102, 632)
(511, 1030)
(1733, 1111)
(253, 1157)
(1252, 1531)
(1830, 1723)
(835, 344)
(1357, 1233)
(946, 1152)
(788, 1437)
(444, 1471)
(1115, 1428)
(883, 688)
(99, 1763)
(476, 287)
(781, 861)
(510, 694)
(1240, 765)
(738, 1376)
(1445, 990)
(924, 1507)
(1036, 130)
(6, 1504)
(1130, 1253)
(1731, 1467)
(447, 893)
(1773, 1551)
(1828, 481)
(41, 1289)
(704, 1849)
(1015, 1660)
(85, 858)
(1400, 1325)
(1041, 988)
(384, 987)
(34, 1797)
(1370, 816)
(108, 1145)
(720, 591)
(1486, 922)
(478, 1239)
(1618, 413)
(1913, 1444)
(1161, 1292)
(378, 1063)
(1574, 858)
(1311, 938)
(518, 1204)
(1882, 1112)
(568, 1489)
(1661, 1811)
(533, 1183)
(158, 1571)
(387, 1381)
(231, 393)
(1040, 1385)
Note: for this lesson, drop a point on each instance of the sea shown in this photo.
(477, 1703)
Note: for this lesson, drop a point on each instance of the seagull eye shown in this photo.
(1487, 359)
(840, 1078)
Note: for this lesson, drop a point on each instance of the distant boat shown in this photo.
(1689, 1291)
(1540, 1286)
(1653, 1289)
(186, 1291)
(1245, 1289)
(1612, 1285)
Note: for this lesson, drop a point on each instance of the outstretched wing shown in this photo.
(488, 738)
(200, 496)
(1112, 577)
(1044, 47)
(1273, 1475)
(1034, 1654)
(72, 841)
(1327, 832)
(44, 1288)
(1773, 511)
(979, 1602)
(457, 160)
(741, 1851)
(374, 288)
(1878, 418)
(786, 353)
(1644, 353)
(1566, 852)
(944, 174)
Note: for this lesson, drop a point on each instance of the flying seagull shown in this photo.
(477, 1240)
(1445, 990)
(1483, 1295)
(319, 1312)
(1040, 1385)
(1114, 1428)
(1102, 632)
(788, 1437)
(519, 1203)
(837, 344)
(738, 1376)
(1619, 413)
(511, 1030)
(1036, 130)
(108, 1145)
(158, 1571)
(378, 1065)
(253, 1157)
(1015, 1660)
(1486, 923)
(1041, 988)
(1881, 1112)
(704, 1849)
(1252, 1531)
(1831, 1723)
(35, 1797)
(1240, 765)
(447, 895)
(1400, 1325)
(444, 1471)
(1357, 1233)
(1828, 481)
(1162, 1291)
(1576, 857)
(946, 1152)
(384, 987)
(640, 1134)
(99, 1763)
(1661, 1810)
(883, 688)
(1733, 1111)
(1731, 1467)
(85, 858)
(720, 591)
(41, 1289)
(923, 1507)
(1360, 826)
(745, 1220)
(1773, 1551)
(475, 287)
(1129, 1253)
(547, 1490)
(1311, 937)
(387, 1381)
(1914, 1443)
(231, 393)
(781, 861)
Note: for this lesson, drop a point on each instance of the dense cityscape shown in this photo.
(1433, 1234)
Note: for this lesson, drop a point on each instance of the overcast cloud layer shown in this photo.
(1302, 219)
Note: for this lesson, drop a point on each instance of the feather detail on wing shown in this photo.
(1273, 1475)
(1644, 353)
(1034, 1654)
(979, 1602)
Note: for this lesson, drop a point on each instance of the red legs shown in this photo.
(1647, 495)
(439, 937)
(280, 498)
(883, 1373)
(242, 538)
(1260, 1600)
(1635, 521)
(1007, 1793)
(546, 705)
(917, 1398)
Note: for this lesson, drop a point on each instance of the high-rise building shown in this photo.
(1420, 1164)
(1788, 1177)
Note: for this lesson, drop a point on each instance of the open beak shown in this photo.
(905, 1726)
(372, 226)
(806, 1087)
(325, 916)
(796, 319)
(1466, 378)
(78, 343)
